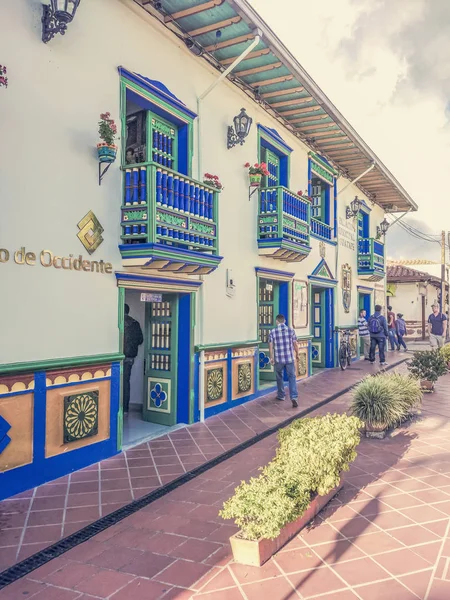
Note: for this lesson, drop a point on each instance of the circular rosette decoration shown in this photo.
(244, 377)
(263, 360)
(81, 418)
(215, 384)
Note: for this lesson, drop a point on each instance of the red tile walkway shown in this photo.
(35, 519)
(385, 536)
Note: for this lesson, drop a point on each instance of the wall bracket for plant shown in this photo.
(251, 190)
(102, 172)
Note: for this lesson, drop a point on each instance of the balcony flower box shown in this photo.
(256, 553)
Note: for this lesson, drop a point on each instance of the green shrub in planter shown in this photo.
(385, 400)
(428, 365)
(445, 351)
(311, 456)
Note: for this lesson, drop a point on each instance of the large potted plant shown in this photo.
(428, 366)
(384, 401)
(256, 172)
(107, 130)
(445, 351)
(304, 475)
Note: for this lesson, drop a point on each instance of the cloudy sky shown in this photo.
(385, 64)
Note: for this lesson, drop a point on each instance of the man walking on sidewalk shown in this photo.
(282, 347)
(378, 333)
(437, 327)
(392, 329)
(364, 333)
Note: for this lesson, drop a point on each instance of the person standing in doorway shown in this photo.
(437, 327)
(378, 330)
(401, 331)
(364, 333)
(132, 339)
(392, 329)
(282, 347)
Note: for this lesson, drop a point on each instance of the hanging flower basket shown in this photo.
(3, 78)
(107, 129)
(256, 172)
(106, 152)
(255, 180)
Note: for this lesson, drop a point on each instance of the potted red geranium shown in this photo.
(3, 78)
(107, 130)
(212, 181)
(256, 172)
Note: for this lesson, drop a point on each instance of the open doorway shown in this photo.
(322, 319)
(160, 375)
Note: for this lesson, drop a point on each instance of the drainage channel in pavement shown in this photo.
(39, 559)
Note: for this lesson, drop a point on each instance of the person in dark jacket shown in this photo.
(378, 333)
(132, 339)
(401, 330)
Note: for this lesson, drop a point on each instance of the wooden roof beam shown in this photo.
(307, 127)
(228, 43)
(257, 69)
(282, 79)
(285, 92)
(333, 146)
(299, 111)
(193, 10)
(228, 61)
(351, 151)
(215, 26)
(292, 102)
(306, 119)
(325, 133)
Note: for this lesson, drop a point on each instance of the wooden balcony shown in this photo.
(283, 224)
(321, 230)
(371, 260)
(169, 221)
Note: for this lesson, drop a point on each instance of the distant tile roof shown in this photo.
(398, 272)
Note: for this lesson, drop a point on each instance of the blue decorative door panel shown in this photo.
(318, 324)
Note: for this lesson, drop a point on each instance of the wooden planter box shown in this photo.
(375, 431)
(255, 553)
(427, 386)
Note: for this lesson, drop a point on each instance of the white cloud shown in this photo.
(386, 65)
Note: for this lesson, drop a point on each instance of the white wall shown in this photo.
(49, 178)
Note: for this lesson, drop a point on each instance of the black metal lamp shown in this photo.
(242, 123)
(354, 207)
(56, 16)
(382, 227)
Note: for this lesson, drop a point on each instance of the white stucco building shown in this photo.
(205, 273)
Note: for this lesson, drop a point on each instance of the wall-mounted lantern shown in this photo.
(382, 227)
(56, 16)
(242, 123)
(353, 209)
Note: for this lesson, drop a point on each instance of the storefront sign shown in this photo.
(347, 233)
(47, 259)
(151, 297)
(299, 304)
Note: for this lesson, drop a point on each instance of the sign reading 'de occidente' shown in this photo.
(48, 259)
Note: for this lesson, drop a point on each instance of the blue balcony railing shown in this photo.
(283, 216)
(165, 207)
(371, 259)
(320, 229)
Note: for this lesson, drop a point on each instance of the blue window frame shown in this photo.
(276, 154)
(363, 223)
(320, 200)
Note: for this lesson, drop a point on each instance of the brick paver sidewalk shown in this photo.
(37, 518)
(385, 535)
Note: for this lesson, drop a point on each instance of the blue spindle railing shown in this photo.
(283, 215)
(370, 256)
(322, 230)
(163, 206)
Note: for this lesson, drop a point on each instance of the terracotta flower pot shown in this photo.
(256, 552)
(255, 179)
(376, 431)
(427, 386)
(106, 153)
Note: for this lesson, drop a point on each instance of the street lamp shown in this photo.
(382, 227)
(354, 207)
(242, 123)
(56, 16)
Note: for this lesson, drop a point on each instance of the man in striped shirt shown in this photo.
(282, 346)
(364, 333)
